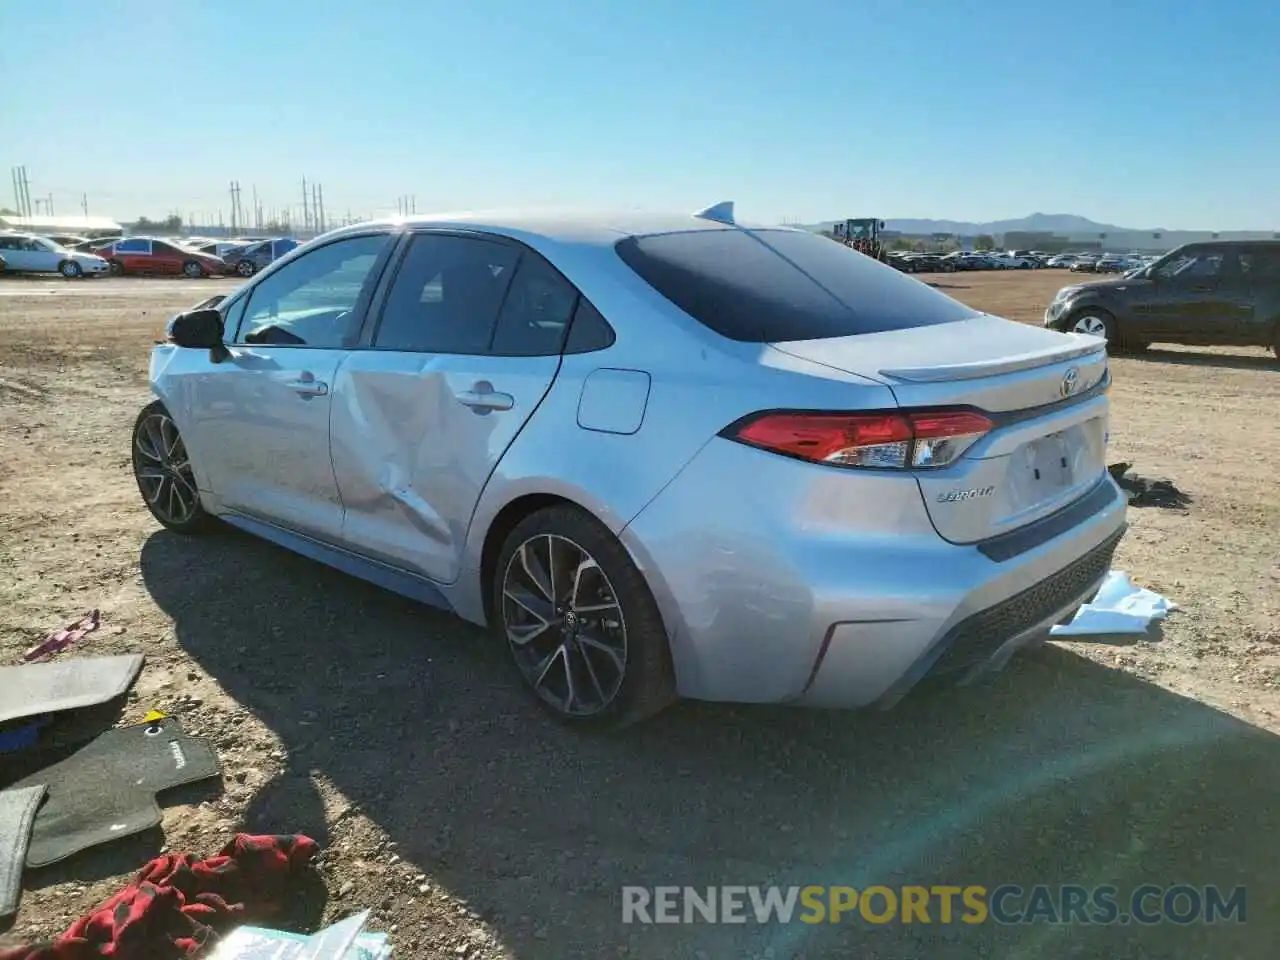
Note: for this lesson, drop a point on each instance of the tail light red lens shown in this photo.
(900, 439)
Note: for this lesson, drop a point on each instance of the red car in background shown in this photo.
(134, 255)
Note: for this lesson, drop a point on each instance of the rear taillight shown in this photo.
(900, 439)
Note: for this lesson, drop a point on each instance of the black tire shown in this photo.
(1080, 319)
(648, 679)
(116, 268)
(192, 270)
(245, 268)
(70, 270)
(194, 521)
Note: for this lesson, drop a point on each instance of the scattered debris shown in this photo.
(34, 689)
(60, 639)
(107, 789)
(17, 813)
(177, 903)
(1146, 492)
(345, 940)
(1119, 607)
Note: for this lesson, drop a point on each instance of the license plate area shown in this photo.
(1050, 462)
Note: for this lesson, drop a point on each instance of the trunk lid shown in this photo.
(1048, 443)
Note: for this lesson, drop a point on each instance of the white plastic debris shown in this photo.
(1120, 607)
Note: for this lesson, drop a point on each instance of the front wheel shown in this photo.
(162, 469)
(584, 630)
(1096, 323)
(70, 269)
(245, 268)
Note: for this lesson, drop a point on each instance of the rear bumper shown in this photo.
(858, 605)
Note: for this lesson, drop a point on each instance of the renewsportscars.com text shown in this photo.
(970, 904)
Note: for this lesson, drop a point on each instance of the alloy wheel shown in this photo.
(163, 469)
(1091, 324)
(192, 270)
(564, 625)
(244, 268)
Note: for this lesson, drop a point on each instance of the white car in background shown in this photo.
(24, 253)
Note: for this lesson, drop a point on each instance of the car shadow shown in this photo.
(1057, 771)
(1230, 361)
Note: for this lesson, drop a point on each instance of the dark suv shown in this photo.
(1222, 293)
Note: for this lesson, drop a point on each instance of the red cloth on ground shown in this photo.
(178, 904)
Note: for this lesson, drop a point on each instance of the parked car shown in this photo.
(148, 255)
(94, 245)
(70, 241)
(248, 260)
(222, 249)
(1221, 293)
(1085, 265)
(25, 253)
(533, 423)
(4, 264)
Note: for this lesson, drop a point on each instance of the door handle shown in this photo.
(308, 386)
(482, 398)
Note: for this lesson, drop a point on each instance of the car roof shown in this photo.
(579, 228)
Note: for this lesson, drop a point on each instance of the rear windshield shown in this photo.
(768, 286)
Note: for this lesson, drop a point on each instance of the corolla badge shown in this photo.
(1070, 382)
(959, 496)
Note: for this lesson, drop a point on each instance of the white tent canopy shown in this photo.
(81, 226)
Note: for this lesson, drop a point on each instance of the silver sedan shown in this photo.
(657, 457)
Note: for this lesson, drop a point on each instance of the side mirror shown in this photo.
(200, 329)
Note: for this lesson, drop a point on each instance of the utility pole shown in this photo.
(315, 208)
(306, 210)
(24, 192)
(257, 210)
(323, 223)
(84, 204)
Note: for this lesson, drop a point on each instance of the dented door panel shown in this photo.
(415, 437)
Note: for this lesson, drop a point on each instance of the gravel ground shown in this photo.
(475, 828)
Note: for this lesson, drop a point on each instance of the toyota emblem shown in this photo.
(1070, 381)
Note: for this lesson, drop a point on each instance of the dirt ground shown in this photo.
(473, 827)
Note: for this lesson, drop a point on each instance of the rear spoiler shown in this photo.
(1086, 346)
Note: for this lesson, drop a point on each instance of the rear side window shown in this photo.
(446, 295)
(769, 286)
(590, 331)
(1262, 263)
(133, 246)
(536, 311)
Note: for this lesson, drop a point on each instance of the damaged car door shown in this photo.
(464, 348)
(258, 419)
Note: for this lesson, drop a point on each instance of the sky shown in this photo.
(1143, 114)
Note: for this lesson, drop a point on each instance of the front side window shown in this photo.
(446, 295)
(312, 302)
(1190, 264)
